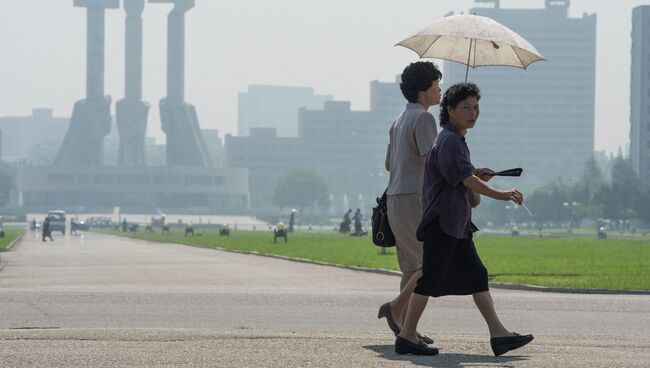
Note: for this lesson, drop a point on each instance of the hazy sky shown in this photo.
(335, 46)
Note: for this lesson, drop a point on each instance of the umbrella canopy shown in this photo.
(473, 40)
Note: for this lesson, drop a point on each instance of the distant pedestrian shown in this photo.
(358, 219)
(451, 265)
(125, 225)
(73, 227)
(47, 232)
(346, 223)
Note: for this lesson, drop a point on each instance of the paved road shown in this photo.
(101, 301)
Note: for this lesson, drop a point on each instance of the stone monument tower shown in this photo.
(91, 117)
(185, 143)
(132, 112)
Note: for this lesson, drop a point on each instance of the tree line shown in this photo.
(618, 197)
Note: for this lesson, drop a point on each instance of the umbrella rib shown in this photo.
(430, 46)
(475, 47)
(514, 49)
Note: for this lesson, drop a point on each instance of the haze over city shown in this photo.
(337, 47)
(244, 183)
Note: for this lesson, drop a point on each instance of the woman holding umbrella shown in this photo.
(451, 265)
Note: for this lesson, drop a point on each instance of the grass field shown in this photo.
(11, 233)
(562, 262)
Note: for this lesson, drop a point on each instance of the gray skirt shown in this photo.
(404, 215)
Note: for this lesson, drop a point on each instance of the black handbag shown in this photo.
(382, 235)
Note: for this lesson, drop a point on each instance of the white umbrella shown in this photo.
(474, 41)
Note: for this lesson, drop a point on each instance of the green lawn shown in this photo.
(11, 233)
(562, 262)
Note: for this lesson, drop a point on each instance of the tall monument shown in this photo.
(132, 112)
(185, 143)
(91, 117)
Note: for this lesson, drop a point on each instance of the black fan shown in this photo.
(511, 172)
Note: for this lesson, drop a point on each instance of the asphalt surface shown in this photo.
(101, 301)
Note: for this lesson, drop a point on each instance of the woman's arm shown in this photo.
(387, 162)
(479, 186)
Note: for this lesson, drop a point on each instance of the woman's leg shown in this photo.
(400, 303)
(415, 309)
(483, 301)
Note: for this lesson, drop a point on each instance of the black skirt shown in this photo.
(450, 266)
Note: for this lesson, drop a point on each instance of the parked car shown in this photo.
(101, 222)
(57, 220)
(81, 225)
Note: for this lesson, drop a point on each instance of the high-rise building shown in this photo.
(34, 138)
(386, 97)
(640, 92)
(346, 147)
(542, 118)
(275, 107)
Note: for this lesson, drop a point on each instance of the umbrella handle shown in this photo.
(469, 54)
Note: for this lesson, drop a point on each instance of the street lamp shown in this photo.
(570, 207)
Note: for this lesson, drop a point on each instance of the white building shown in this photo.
(640, 92)
(542, 118)
(135, 188)
(275, 107)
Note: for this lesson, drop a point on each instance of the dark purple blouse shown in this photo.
(443, 192)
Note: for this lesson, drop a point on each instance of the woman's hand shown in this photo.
(479, 186)
(484, 174)
(512, 195)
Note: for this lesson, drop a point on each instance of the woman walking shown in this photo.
(451, 265)
(47, 231)
(410, 138)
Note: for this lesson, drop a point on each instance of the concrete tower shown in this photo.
(132, 112)
(185, 143)
(640, 92)
(91, 117)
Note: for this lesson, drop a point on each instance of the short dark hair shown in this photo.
(418, 77)
(453, 96)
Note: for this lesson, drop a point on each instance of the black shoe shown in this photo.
(502, 345)
(384, 311)
(403, 346)
(425, 339)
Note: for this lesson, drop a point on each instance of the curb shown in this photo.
(545, 289)
(13, 243)
(311, 261)
(398, 273)
(9, 248)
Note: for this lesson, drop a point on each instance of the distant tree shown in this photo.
(642, 205)
(547, 202)
(592, 172)
(625, 188)
(591, 180)
(301, 189)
